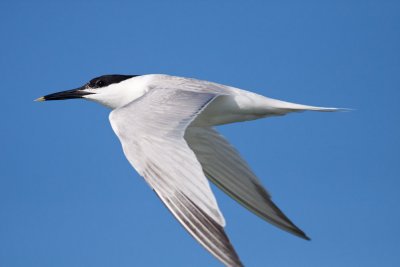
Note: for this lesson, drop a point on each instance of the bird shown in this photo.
(166, 126)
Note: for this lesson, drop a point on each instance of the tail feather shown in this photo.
(283, 107)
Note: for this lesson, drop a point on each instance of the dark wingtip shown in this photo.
(298, 232)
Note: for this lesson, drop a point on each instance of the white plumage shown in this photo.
(165, 125)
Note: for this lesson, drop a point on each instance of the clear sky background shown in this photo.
(68, 196)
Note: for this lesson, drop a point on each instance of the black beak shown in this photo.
(69, 94)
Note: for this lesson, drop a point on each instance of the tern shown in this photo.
(166, 127)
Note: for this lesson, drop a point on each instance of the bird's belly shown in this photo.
(242, 106)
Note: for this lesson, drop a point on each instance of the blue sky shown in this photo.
(68, 197)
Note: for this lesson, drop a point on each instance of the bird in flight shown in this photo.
(166, 128)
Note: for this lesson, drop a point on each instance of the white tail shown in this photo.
(278, 107)
(245, 106)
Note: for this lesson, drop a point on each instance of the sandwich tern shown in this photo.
(166, 127)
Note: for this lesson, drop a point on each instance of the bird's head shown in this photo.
(109, 90)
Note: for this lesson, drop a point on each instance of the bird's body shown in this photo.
(233, 105)
(165, 125)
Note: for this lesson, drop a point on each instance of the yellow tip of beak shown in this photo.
(40, 99)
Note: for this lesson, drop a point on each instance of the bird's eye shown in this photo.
(100, 83)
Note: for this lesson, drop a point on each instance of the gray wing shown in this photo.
(189, 84)
(223, 165)
(151, 131)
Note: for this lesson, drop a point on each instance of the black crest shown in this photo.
(106, 80)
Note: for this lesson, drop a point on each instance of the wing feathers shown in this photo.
(151, 131)
(223, 165)
(202, 227)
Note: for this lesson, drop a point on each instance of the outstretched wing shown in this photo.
(151, 130)
(223, 165)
